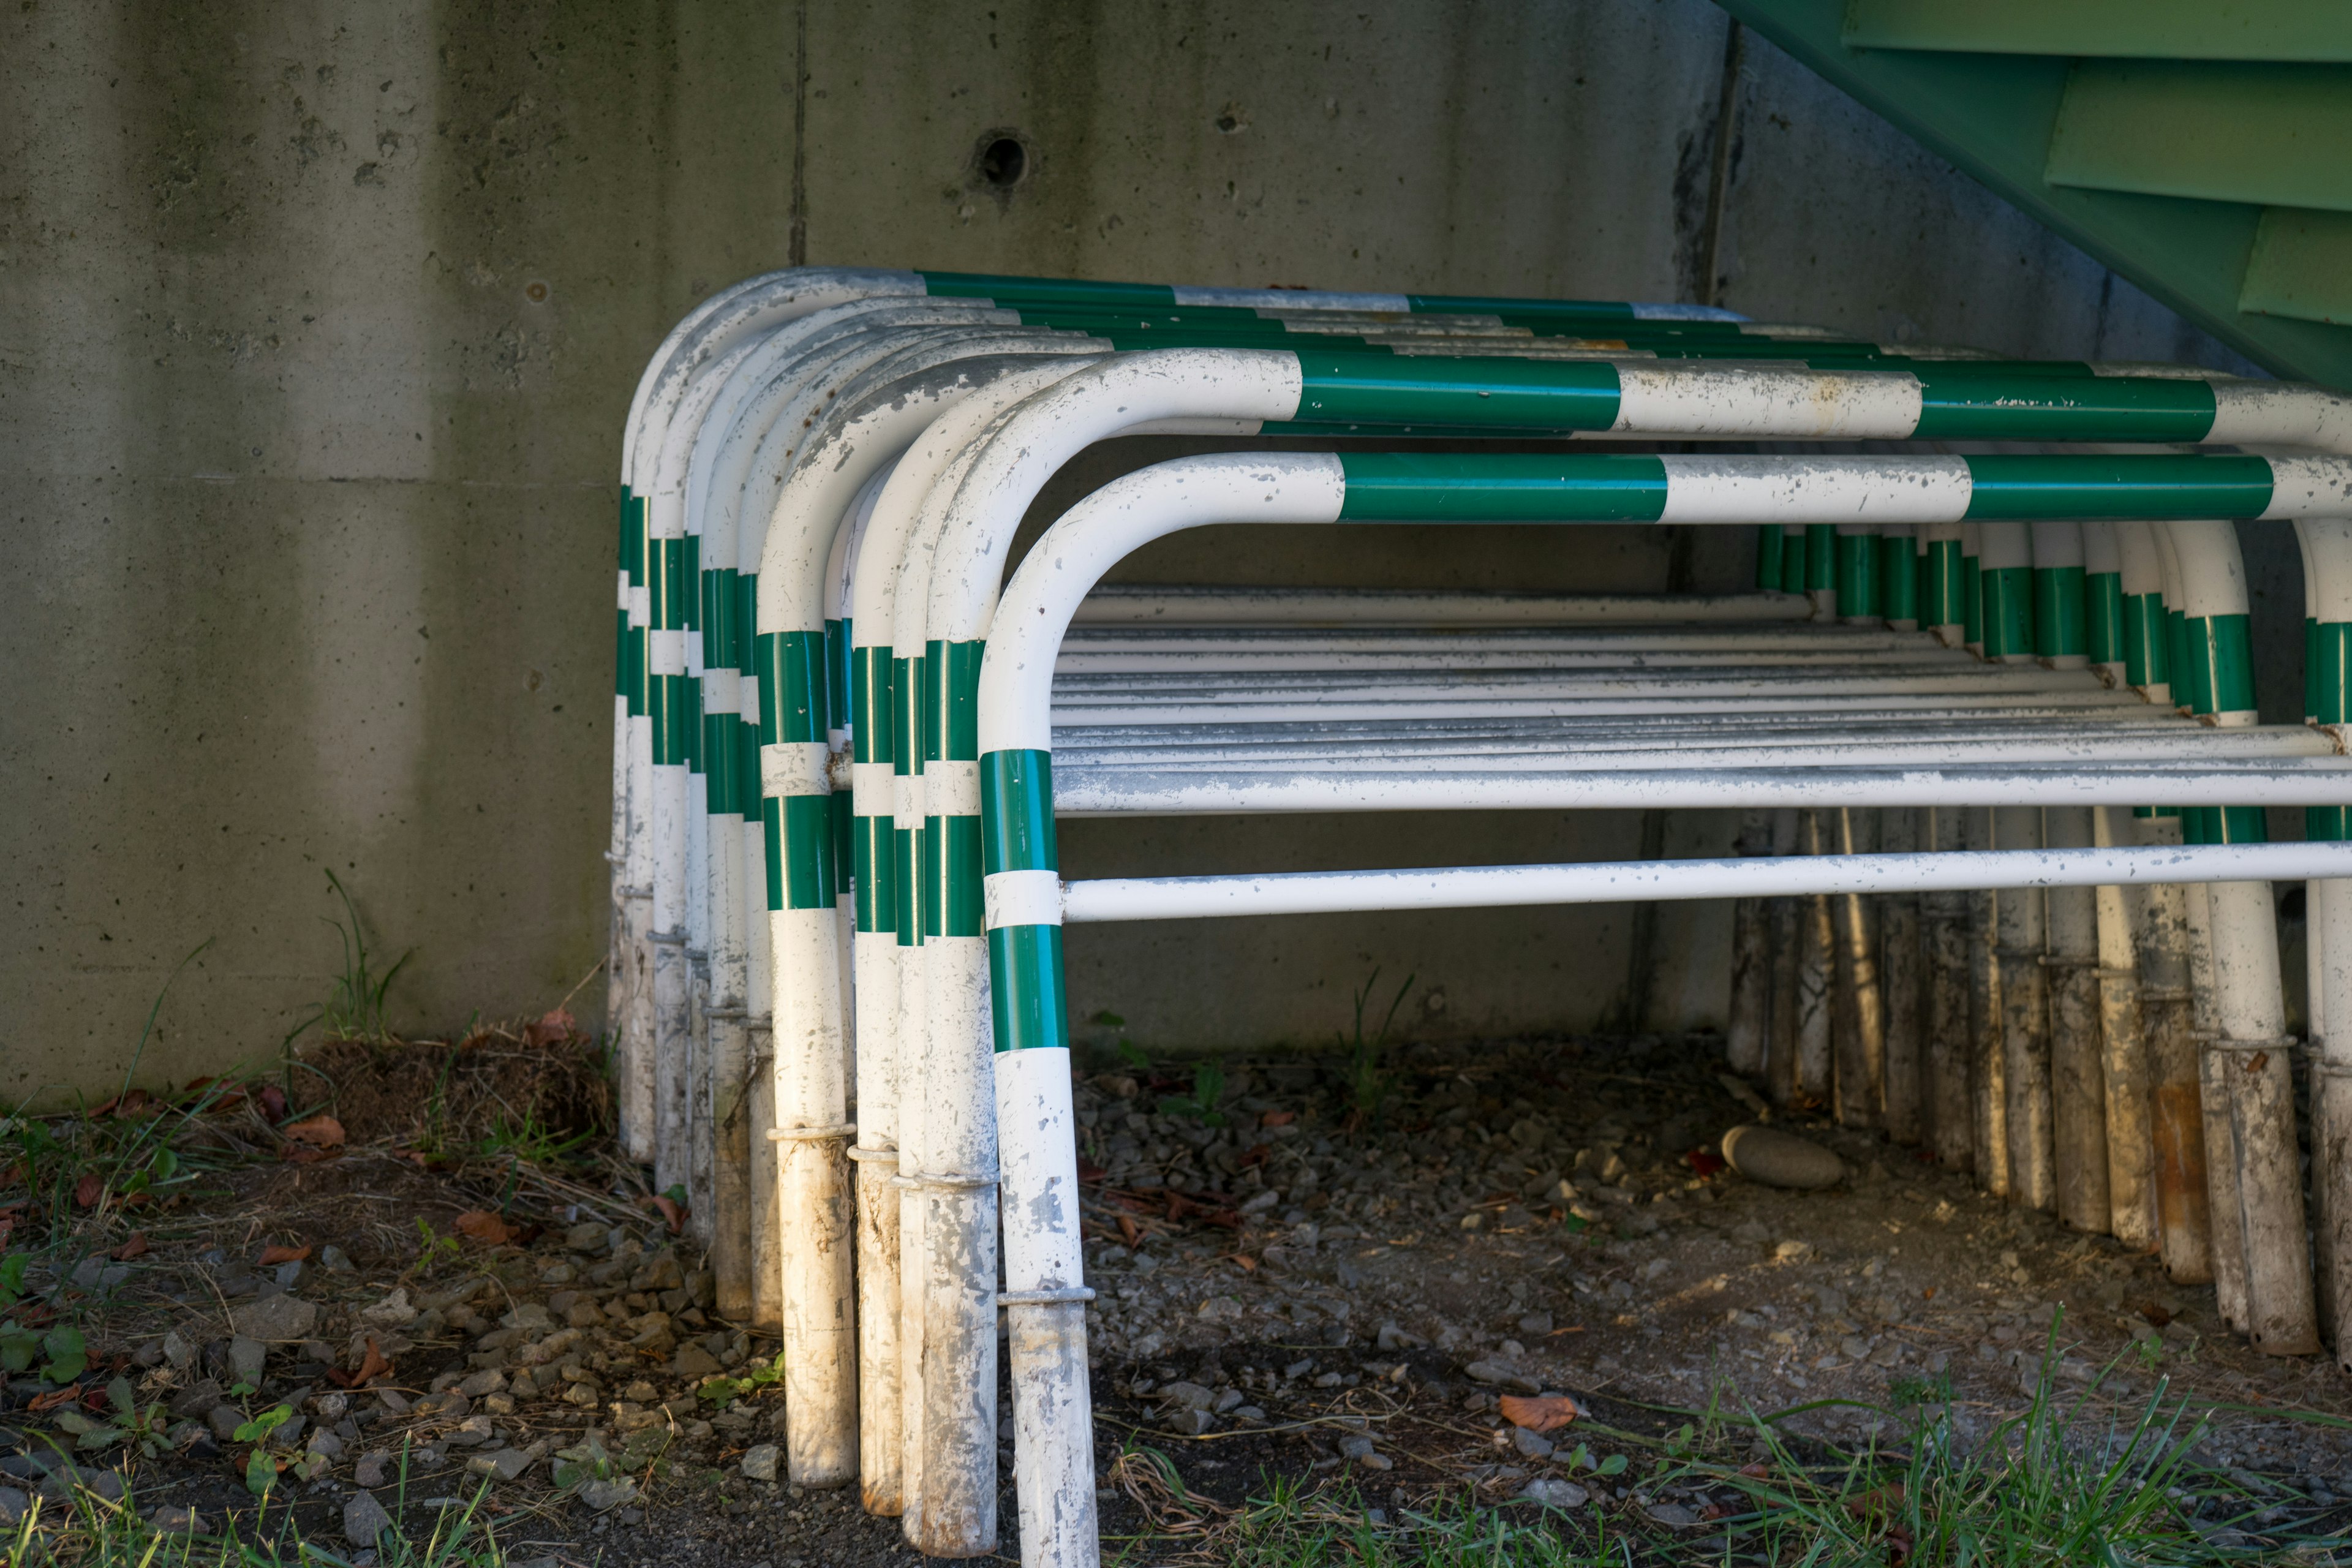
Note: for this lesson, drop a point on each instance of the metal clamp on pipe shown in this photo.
(811, 1134)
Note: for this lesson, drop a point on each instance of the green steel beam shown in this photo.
(2302, 266)
(2273, 134)
(2167, 29)
(1993, 115)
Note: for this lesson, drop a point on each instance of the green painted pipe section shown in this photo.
(2328, 686)
(1451, 487)
(1995, 404)
(2147, 649)
(793, 687)
(2221, 664)
(2008, 611)
(1016, 799)
(2059, 629)
(1024, 991)
(1793, 560)
(1857, 576)
(1560, 394)
(2102, 617)
(874, 874)
(2311, 673)
(1943, 599)
(1821, 558)
(1768, 557)
(1898, 577)
(2026, 488)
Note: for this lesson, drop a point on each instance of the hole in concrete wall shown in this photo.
(1004, 160)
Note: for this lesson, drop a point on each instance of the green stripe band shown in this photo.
(670, 706)
(927, 865)
(1515, 393)
(1821, 558)
(961, 893)
(1793, 562)
(1540, 309)
(1452, 487)
(927, 685)
(2008, 610)
(2331, 696)
(871, 725)
(2058, 619)
(805, 879)
(838, 714)
(1016, 802)
(1857, 576)
(1768, 556)
(875, 872)
(1944, 601)
(747, 606)
(718, 764)
(746, 756)
(792, 686)
(841, 813)
(2024, 487)
(958, 692)
(1024, 988)
(2221, 667)
(624, 681)
(1960, 404)
(633, 537)
(2146, 648)
(1971, 602)
(906, 746)
(2102, 617)
(905, 890)
(1898, 577)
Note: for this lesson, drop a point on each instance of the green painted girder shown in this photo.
(2273, 134)
(1994, 114)
(2137, 29)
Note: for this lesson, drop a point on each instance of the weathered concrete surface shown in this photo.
(317, 326)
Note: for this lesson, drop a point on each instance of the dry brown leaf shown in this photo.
(133, 1246)
(673, 1213)
(276, 1254)
(374, 1365)
(89, 1189)
(322, 1130)
(550, 1028)
(483, 1226)
(1548, 1413)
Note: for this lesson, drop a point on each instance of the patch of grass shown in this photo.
(2056, 1484)
(353, 1009)
(91, 1532)
(1368, 1079)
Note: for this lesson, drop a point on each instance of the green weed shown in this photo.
(1368, 1079)
(353, 1009)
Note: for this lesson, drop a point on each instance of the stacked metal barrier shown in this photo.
(837, 908)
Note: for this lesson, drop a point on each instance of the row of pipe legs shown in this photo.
(2116, 1057)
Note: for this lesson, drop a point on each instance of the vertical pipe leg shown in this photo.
(2176, 1116)
(2282, 1317)
(767, 1232)
(671, 1045)
(1815, 941)
(2025, 1022)
(1781, 1047)
(730, 1120)
(2327, 914)
(1944, 917)
(2222, 1152)
(881, 1445)
(2078, 1067)
(702, 1132)
(1988, 1062)
(1752, 963)
(1900, 965)
(1859, 1018)
(2130, 1137)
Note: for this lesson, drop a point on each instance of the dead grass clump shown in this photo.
(537, 1088)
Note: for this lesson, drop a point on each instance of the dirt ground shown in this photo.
(1286, 1291)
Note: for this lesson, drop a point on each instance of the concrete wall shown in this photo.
(317, 323)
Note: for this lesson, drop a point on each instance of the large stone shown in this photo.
(1552, 1492)
(693, 1361)
(246, 1357)
(505, 1464)
(365, 1519)
(760, 1461)
(275, 1319)
(1780, 1159)
(14, 1503)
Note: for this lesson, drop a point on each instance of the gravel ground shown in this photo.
(1285, 1290)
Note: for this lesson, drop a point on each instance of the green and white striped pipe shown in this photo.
(1013, 737)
